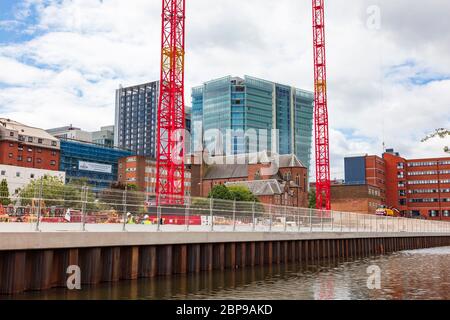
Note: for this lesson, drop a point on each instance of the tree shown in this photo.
(242, 193)
(220, 192)
(312, 199)
(441, 133)
(4, 193)
(54, 192)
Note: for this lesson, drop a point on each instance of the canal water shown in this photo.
(417, 274)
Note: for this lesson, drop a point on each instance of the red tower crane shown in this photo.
(170, 186)
(322, 146)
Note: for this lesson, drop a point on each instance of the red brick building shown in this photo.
(28, 147)
(418, 187)
(141, 172)
(284, 184)
(356, 198)
(415, 187)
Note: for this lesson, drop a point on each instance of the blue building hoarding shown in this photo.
(97, 164)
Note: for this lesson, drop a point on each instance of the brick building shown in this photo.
(286, 185)
(418, 187)
(415, 187)
(141, 172)
(363, 198)
(28, 147)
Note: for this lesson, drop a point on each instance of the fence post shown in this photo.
(158, 213)
(298, 216)
(186, 213)
(357, 222)
(270, 218)
(234, 215)
(124, 208)
(321, 219)
(342, 221)
(83, 206)
(310, 220)
(332, 221)
(285, 218)
(41, 185)
(211, 205)
(253, 216)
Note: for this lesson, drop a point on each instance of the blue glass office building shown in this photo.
(255, 104)
(95, 163)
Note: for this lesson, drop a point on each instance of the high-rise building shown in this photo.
(136, 118)
(248, 107)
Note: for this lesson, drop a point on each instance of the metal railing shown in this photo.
(78, 208)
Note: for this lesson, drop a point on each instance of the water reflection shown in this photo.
(418, 274)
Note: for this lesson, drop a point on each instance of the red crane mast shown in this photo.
(322, 143)
(170, 179)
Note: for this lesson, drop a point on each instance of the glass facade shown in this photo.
(249, 105)
(97, 164)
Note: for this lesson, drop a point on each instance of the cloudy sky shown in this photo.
(389, 79)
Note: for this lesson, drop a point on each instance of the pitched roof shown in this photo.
(260, 187)
(26, 130)
(226, 171)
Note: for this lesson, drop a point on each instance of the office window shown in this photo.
(40, 141)
(30, 139)
(11, 134)
(29, 159)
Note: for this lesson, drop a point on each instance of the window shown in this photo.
(40, 141)
(32, 176)
(29, 159)
(39, 150)
(30, 149)
(21, 138)
(3, 173)
(11, 134)
(446, 213)
(433, 213)
(11, 145)
(54, 143)
(17, 174)
(39, 160)
(53, 153)
(53, 163)
(19, 158)
(30, 139)
(10, 155)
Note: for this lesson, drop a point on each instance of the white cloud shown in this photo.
(83, 49)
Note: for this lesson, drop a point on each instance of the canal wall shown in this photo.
(39, 261)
